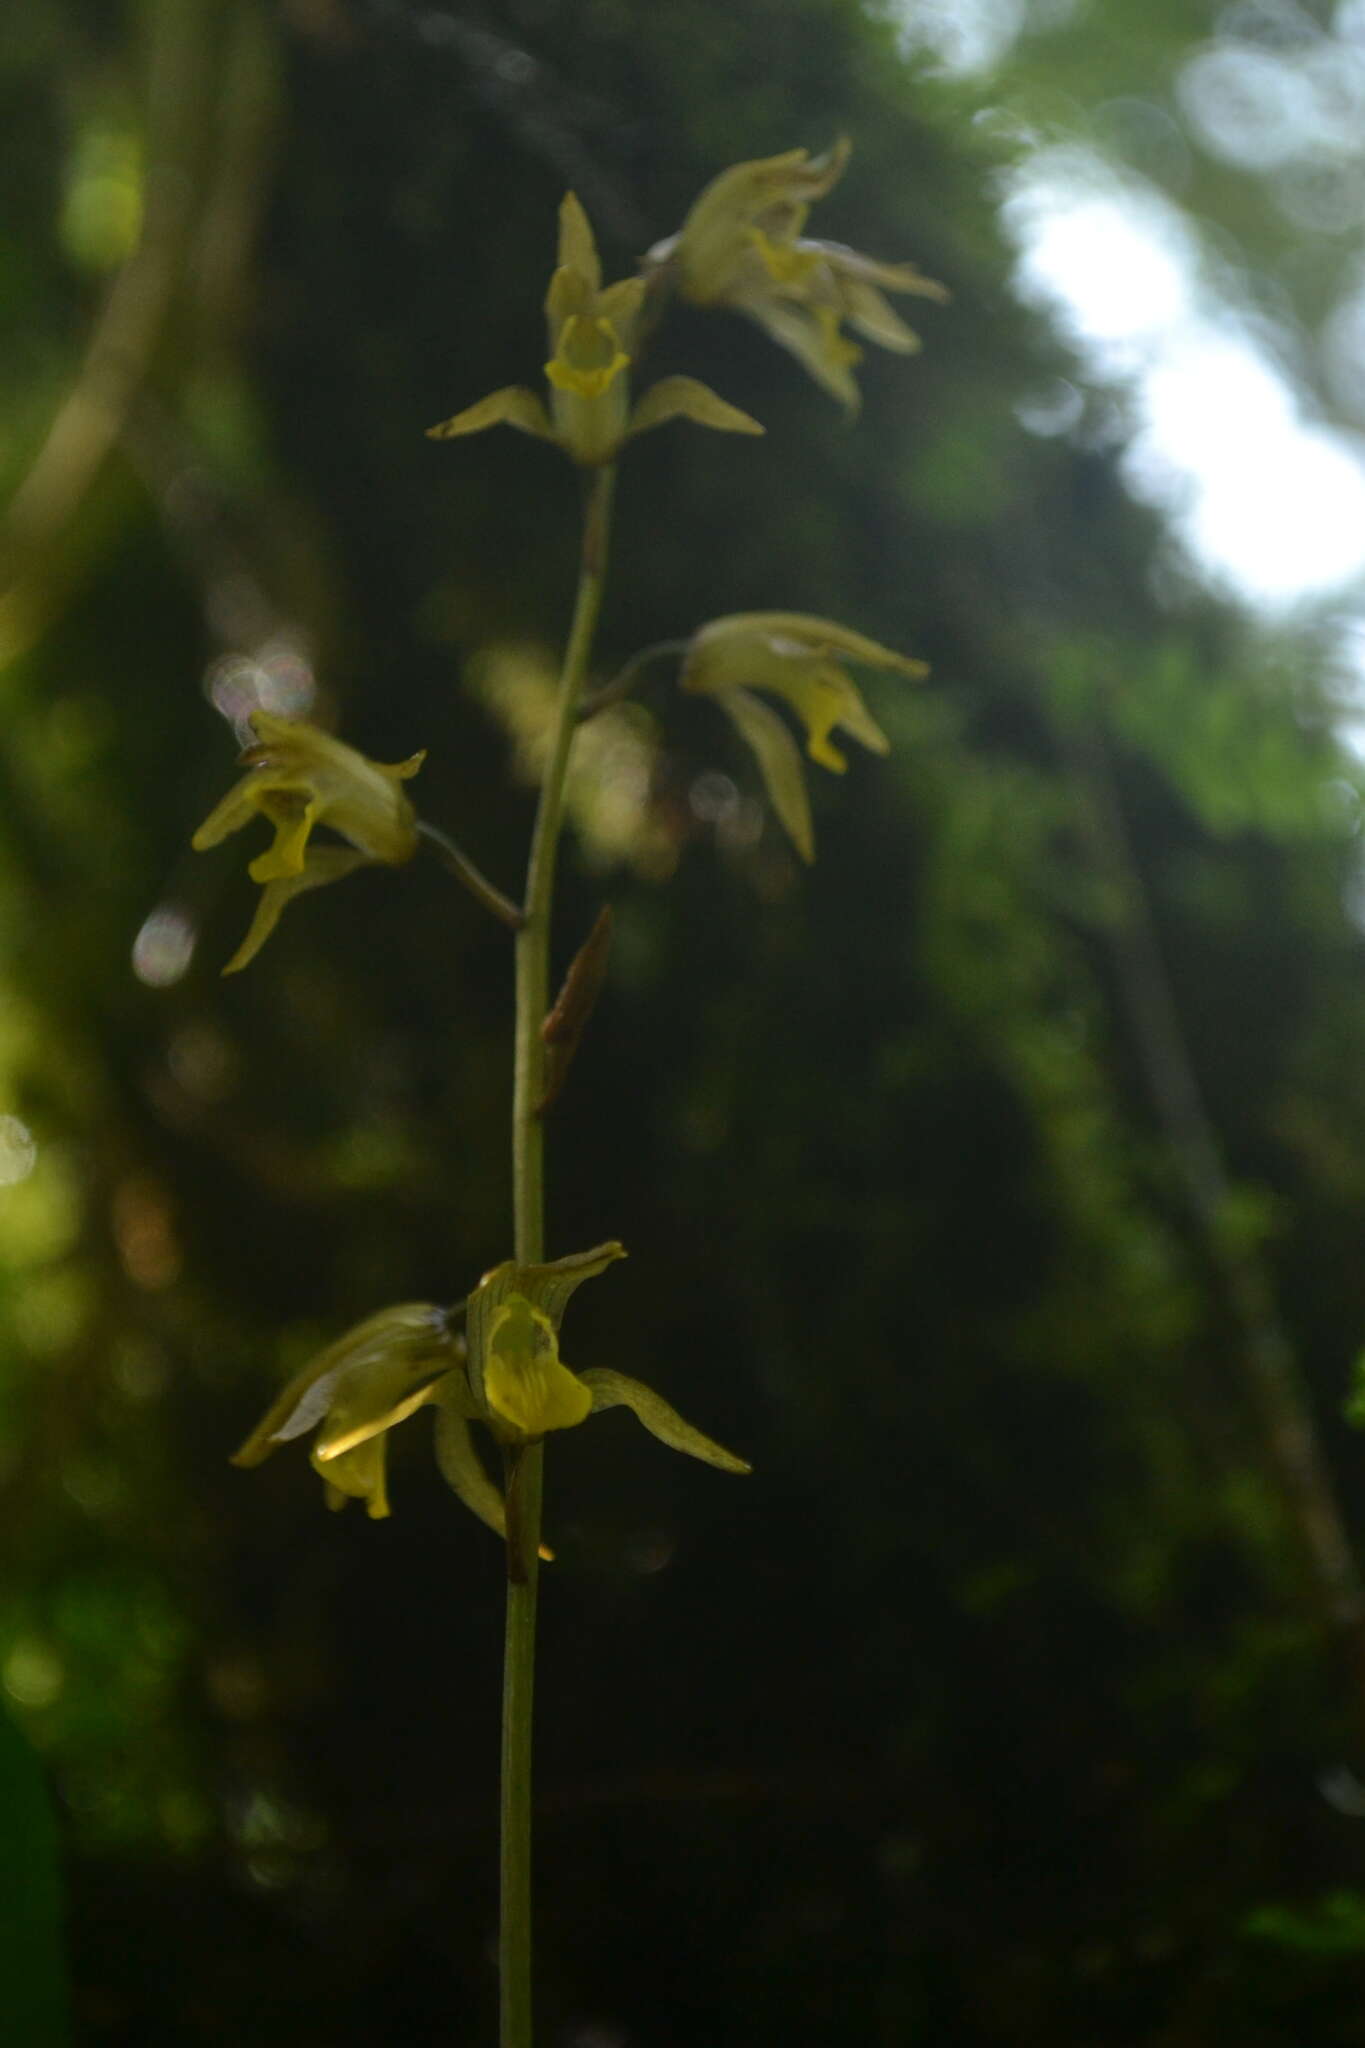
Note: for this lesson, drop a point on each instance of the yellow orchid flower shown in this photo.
(741, 245)
(297, 777)
(592, 336)
(796, 657)
(506, 1373)
(355, 1391)
(517, 1383)
(528, 1389)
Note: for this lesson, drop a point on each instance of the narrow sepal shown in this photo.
(867, 311)
(687, 398)
(852, 267)
(812, 335)
(236, 809)
(779, 763)
(812, 635)
(551, 1286)
(616, 1390)
(577, 245)
(321, 865)
(513, 406)
(459, 1463)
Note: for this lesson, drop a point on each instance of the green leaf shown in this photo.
(32, 1966)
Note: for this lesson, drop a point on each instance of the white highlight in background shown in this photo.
(1269, 504)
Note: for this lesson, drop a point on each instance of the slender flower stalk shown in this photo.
(625, 679)
(525, 1468)
(469, 877)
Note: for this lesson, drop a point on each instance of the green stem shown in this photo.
(528, 1195)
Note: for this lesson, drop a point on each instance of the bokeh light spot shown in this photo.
(164, 947)
(18, 1152)
(33, 1673)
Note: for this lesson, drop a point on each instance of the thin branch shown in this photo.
(1267, 1350)
(129, 328)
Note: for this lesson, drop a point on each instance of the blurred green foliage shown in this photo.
(31, 1944)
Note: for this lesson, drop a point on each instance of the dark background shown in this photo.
(996, 1185)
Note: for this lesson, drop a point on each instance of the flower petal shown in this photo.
(769, 191)
(851, 266)
(620, 304)
(568, 297)
(386, 1357)
(779, 762)
(526, 1386)
(302, 1404)
(459, 1461)
(616, 1390)
(513, 406)
(812, 335)
(688, 398)
(461, 1468)
(824, 698)
(546, 1288)
(587, 360)
(577, 246)
(237, 808)
(364, 1405)
(816, 636)
(322, 864)
(868, 311)
(549, 1286)
(359, 1475)
(286, 857)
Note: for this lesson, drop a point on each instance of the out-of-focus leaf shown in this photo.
(33, 1999)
